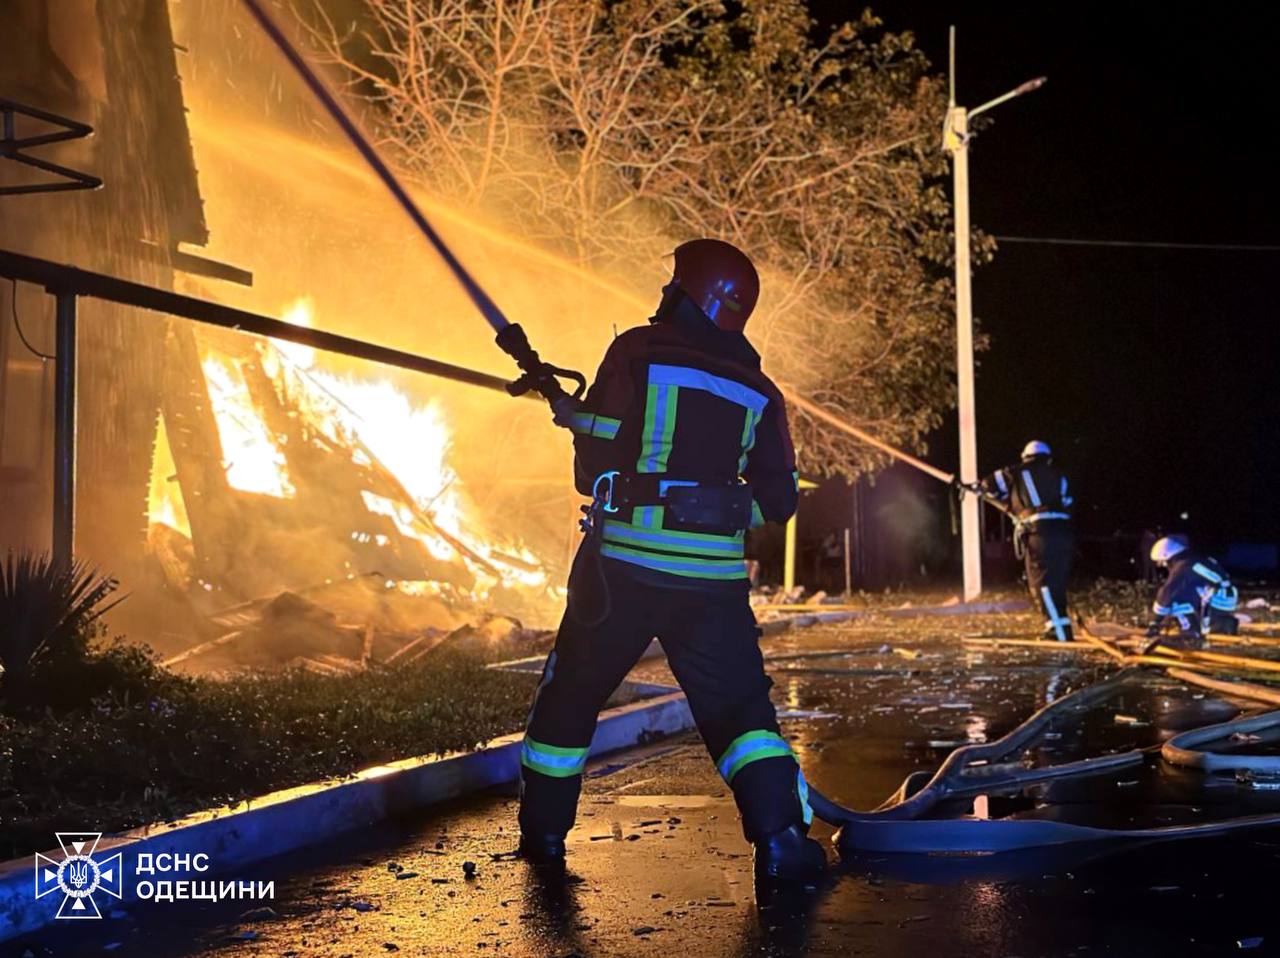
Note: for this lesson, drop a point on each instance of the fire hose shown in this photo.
(908, 822)
(538, 376)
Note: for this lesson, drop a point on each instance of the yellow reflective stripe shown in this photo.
(692, 567)
(673, 540)
(751, 747)
(659, 427)
(553, 760)
(590, 424)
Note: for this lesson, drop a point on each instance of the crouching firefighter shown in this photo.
(1197, 594)
(1035, 494)
(682, 443)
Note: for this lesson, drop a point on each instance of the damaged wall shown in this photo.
(109, 63)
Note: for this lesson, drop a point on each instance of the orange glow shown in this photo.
(405, 444)
(250, 454)
(165, 505)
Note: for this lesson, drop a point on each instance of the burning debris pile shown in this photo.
(305, 514)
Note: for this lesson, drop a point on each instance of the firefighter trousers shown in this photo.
(712, 645)
(1049, 545)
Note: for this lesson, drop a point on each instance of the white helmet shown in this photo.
(1035, 448)
(1168, 548)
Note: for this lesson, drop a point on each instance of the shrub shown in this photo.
(47, 613)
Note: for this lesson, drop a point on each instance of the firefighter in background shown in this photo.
(1197, 594)
(1036, 495)
(682, 443)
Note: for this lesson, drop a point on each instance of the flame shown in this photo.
(404, 444)
(298, 314)
(411, 441)
(165, 505)
(253, 459)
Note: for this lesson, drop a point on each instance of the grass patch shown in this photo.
(119, 742)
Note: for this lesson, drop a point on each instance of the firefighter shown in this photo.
(682, 443)
(1035, 494)
(1197, 594)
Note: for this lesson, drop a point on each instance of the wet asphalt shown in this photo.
(658, 865)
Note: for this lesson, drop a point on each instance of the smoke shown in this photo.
(287, 199)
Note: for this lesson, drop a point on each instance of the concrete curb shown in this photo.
(287, 820)
(284, 821)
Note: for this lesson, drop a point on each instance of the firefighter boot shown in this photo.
(789, 856)
(542, 850)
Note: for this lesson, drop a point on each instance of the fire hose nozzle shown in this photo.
(539, 376)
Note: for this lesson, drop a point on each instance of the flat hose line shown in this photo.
(1186, 749)
(899, 824)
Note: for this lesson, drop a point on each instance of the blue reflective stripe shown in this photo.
(1159, 609)
(1226, 598)
(656, 444)
(590, 424)
(752, 418)
(802, 788)
(569, 761)
(1037, 516)
(1183, 608)
(665, 484)
(1206, 573)
(677, 541)
(1029, 484)
(648, 516)
(716, 385)
(749, 747)
(1001, 484)
(690, 566)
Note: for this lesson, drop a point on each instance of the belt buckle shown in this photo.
(608, 479)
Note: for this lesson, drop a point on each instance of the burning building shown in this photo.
(219, 470)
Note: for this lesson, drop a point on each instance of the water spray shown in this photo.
(539, 376)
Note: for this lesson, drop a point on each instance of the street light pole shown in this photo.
(955, 140)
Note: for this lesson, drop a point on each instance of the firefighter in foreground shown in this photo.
(1035, 493)
(1197, 595)
(682, 443)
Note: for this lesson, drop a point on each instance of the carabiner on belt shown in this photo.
(605, 499)
(601, 502)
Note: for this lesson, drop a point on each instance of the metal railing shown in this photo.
(68, 283)
(13, 147)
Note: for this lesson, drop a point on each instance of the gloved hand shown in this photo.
(562, 410)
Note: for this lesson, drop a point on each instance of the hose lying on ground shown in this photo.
(1187, 750)
(901, 825)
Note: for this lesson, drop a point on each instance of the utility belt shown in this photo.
(690, 502)
(1024, 525)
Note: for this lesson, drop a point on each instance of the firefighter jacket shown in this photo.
(681, 403)
(1033, 491)
(1195, 584)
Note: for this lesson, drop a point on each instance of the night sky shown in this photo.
(1151, 372)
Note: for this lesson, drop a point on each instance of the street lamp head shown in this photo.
(1030, 85)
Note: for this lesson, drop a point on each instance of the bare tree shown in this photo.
(612, 130)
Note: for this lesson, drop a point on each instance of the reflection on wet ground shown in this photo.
(658, 865)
